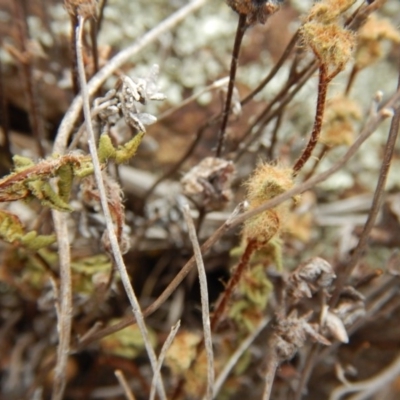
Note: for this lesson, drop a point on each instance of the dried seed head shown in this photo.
(309, 278)
(255, 10)
(291, 334)
(327, 11)
(266, 182)
(333, 326)
(208, 183)
(331, 43)
(369, 40)
(340, 114)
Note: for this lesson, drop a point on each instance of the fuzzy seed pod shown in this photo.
(267, 181)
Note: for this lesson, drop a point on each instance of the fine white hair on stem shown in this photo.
(115, 249)
(163, 353)
(124, 384)
(71, 116)
(205, 311)
(64, 304)
(236, 355)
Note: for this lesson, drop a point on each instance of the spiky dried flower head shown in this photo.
(340, 115)
(257, 11)
(369, 40)
(331, 43)
(322, 31)
(327, 11)
(266, 182)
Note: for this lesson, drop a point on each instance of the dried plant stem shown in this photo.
(116, 252)
(236, 356)
(241, 29)
(284, 96)
(74, 70)
(236, 219)
(64, 314)
(274, 70)
(124, 384)
(95, 50)
(251, 247)
(324, 80)
(35, 117)
(371, 386)
(269, 376)
(5, 124)
(350, 264)
(179, 163)
(163, 353)
(71, 116)
(205, 307)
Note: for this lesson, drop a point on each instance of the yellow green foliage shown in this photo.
(127, 342)
(13, 232)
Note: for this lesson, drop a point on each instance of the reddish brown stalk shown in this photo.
(351, 80)
(251, 247)
(74, 68)
(6, 154)
(241, 29)
(324, 79)
(93, 39)
(35, 118)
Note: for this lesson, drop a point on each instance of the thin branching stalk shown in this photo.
(72, 114)
(93, 40)
(199, 135)
(251, 247)
(35, 117)
(74, 70)
(163, 353)
(205, 307)
(273, 71)
(371, 386)
(324, 79)
(236, 219)
(231, 363)
(284, 97)
(124, 384)
(269, 375)
(116, 252)
(5, 124)
(64, 314)
(241, 29)
(348, 267)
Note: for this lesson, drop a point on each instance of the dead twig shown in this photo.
(205, 308)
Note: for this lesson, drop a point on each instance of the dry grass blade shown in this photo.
(236, 355)
(163, 353)
(107, 215)
(64, 315)
(205, 308)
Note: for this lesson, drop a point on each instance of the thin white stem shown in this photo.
(163, 353)
(236, 355)
(269, 376)
(370, 386)
(115, 249)
(64, 307)
(124, 384)
(205, 307)
(71, 116)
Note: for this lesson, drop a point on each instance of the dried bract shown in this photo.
(291, 334)
(208, 183)
(257, 11)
